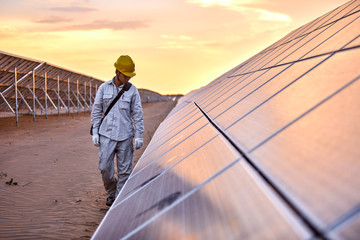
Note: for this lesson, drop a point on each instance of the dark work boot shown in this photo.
(110, 200)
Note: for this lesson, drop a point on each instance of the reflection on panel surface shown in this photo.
(268, 150)
(293, 101)
(218, 212)
(349, 230)
(322, 158)
(175, 182)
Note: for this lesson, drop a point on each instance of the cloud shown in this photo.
(106, 24)
(244, 8)
(212, 3)
(175, 45)
(81, 2)
(72, 9)
(176, 42)
(6, 33)
(181, 37)
(272, 16)
(187, 42)
(52, 19)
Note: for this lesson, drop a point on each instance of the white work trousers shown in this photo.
(124, 156)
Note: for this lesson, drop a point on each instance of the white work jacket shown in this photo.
(124, 120)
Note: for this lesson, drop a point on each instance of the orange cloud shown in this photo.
(176, 42)
(52, 19)
(181, 37)
(106, 24)
(243, 7)
(72, 9)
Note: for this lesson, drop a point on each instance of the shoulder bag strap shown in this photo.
(124, 89)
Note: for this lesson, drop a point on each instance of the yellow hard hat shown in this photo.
(125, 65)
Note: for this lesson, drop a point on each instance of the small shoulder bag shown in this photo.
(124, 89)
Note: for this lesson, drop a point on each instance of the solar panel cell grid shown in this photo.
(295, 100)
(319, 24)
(354, 44)
(216, 91)
(329, 38)
(164, 164)
(338, 13)
(236, 93)
(180, 145)
(174, 130)
(174, 141)
(223, 210)
(174, 184)
(178, 111)
(228, 113)
(321, 152)
(172, 123)
(354, 5)
(219, 92)
(297, 49)
(334, 38)
(255, 65)
(350, 230)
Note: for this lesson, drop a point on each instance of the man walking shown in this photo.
(114, 134)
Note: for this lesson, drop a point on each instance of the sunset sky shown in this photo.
(177, 45)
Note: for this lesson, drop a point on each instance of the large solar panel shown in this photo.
(269, 150)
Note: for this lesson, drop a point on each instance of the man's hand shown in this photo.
(138, 143)
(95, 139)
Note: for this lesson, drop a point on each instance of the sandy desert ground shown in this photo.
(58, 192)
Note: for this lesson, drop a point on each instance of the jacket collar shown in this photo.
(111, 82)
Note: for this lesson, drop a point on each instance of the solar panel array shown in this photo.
(268, 150)
(42, 86)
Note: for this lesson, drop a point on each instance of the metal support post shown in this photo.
(37, 100)
(69, 96)
(77, 98)
(50, 100)
(59, 98)
(72, 103)
(81, 97)
(85, 99)
(16, 101)
(90, 100)
(22, 97)
(7, 103)
(58, 88)
(96, 88)
(46, 109)
(24, 77)
(34, 97)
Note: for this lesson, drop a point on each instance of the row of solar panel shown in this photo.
(56, 77)
(196, 172)
(266, 151)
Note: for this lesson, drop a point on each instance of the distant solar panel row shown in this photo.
(37, 79)
(269, 150)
